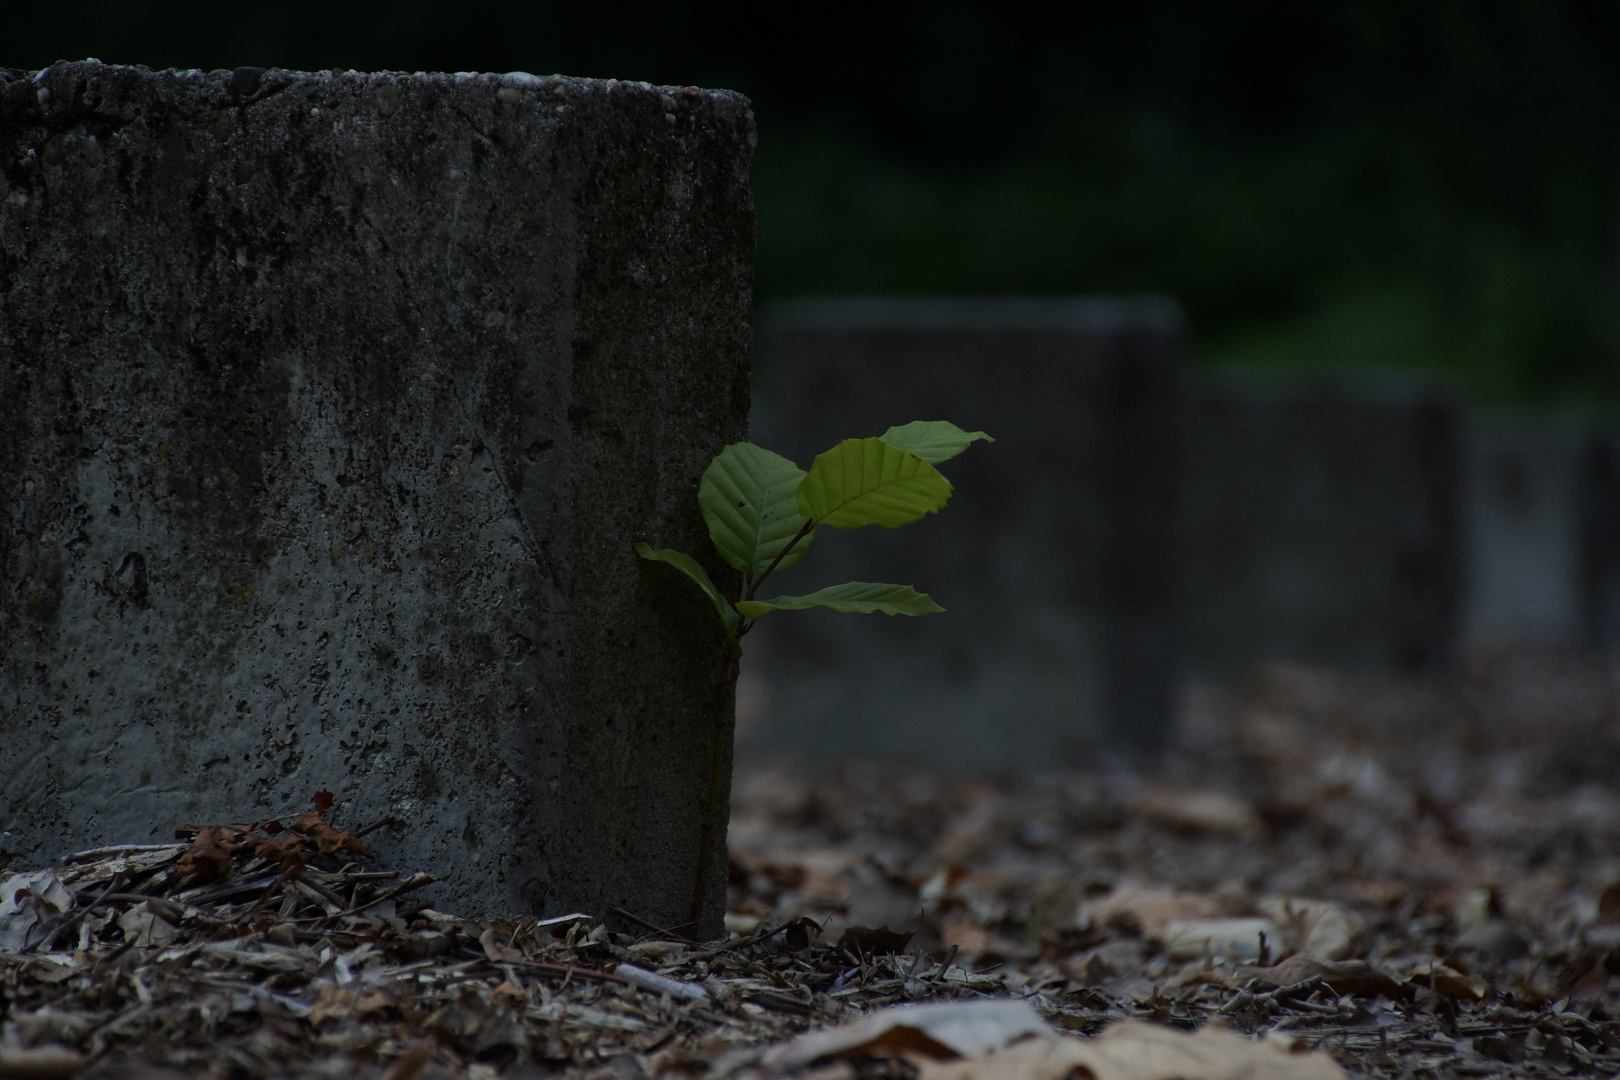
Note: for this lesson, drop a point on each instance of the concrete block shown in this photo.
(1600, 541)
(1055, 560)
(329, 410)
(1527, 571)
(1324, 525)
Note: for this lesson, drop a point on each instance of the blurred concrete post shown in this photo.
(1600, 541)
(1055, 560)
(1324, 526)
(1527, 536)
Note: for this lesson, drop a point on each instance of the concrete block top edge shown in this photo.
(1361, 387)
(244, 85)
(1542, 424)
(1091, 313)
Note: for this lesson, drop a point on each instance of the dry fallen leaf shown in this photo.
(289, 854)
(480, 1025)
(497, 950)
(1220, 937)
(409, 1065)
(337, 1004)
(1147, 910)
(1136, 1050)
(944, 1029)
(1318, 929)
(327, 838)
(1197, 811)
(208, 856)
(143, 927)
(39, 1062)
(1447, 981)
(29, 904)
(867, 941)
(1354, 977)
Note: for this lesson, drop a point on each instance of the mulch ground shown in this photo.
(1423, 880)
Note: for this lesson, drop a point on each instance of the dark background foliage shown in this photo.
(1420, 184)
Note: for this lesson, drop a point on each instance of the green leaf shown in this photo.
(689, 566)
(933, 440)
(749, 498)
(861, 597)
(869, 482)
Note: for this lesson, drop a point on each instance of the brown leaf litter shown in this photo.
(1326, 878)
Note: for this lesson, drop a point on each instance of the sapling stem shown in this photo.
(712, 815)
(752, 479)
(804, 531)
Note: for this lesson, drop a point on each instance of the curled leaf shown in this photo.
(692, 569)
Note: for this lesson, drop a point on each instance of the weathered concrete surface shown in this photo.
(330, 408)
(1324, 526)
(1055, 560)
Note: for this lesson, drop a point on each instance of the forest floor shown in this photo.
(1407, 880)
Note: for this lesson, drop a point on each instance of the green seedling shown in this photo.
(763, 511)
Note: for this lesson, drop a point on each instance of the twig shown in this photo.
(661, 984)
(93, 854)
(775, 999)
(373, 827)
(804, 530)
(645, 925)
(256, 885)
(50, 939)
(741, 943)
(568, 971)
(415, 881)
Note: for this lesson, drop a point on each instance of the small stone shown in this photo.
(244, 81)
(387, 99)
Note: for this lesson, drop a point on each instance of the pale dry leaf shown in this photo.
(812, 873)
(967, 1029)
(1446, 981)
(1354, 977)
(496, 950)
(1318, 929)
(968, 834)
(29, 903)
(1240, 938)
(408, 1066)
(144, 928)
(969, 940)
(1150, 910)
(1137, 1050)
(1197, 811)
(49, 1062)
